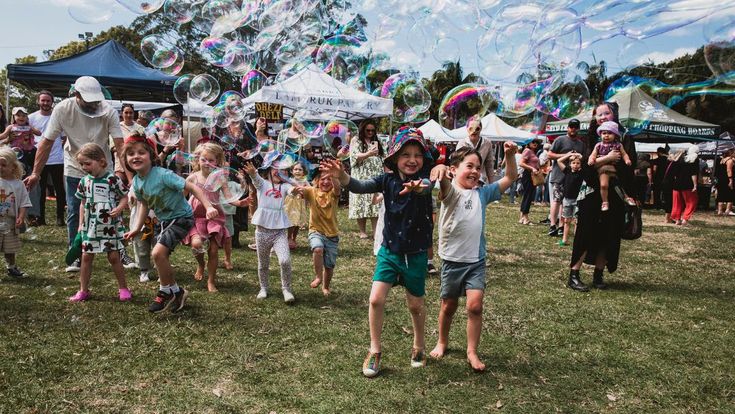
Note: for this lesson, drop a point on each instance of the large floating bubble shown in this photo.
(337, 137)
(224, 186)
(158, 51)
(91, 11)
(164, 131)
(181, 88)
(180, 11)
(252, 82)
(141, 7)
(204, 88)
(719, 52)
(462, 103)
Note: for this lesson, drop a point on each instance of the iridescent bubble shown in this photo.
(285, 161)
(204, 88)
(158, 51)
(446, 49)
(240, 57)
(214, 50)
(252, 82)
(141, 7)
(516, 99)
(176, 67)
(224, 186)
(669, 73)
(463, 102)
(181, 88)
(719, 52)
(335, 51)
(570, 99)
(337, 137)
(633, 53)
(233, 105)
(180, 11)
(310, 121)
(164, 131)
(180, 158)
(91, 11)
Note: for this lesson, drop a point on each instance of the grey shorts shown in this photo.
(171, 232)
(557, 192)
(329, 244)
(457, 278)
(569, 208)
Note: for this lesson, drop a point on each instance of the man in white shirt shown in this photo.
(84, 117)
(54, 168)
(483, 145)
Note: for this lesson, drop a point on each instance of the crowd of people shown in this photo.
(101, 165)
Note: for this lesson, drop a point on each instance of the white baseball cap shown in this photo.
(19, 109)
(89, 88)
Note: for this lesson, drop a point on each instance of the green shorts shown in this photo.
(408, 270)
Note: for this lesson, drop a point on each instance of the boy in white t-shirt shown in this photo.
(462, 241)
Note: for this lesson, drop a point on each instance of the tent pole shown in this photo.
(7, 95)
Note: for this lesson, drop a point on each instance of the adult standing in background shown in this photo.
(562, 145)
(128, 126)
(659, 165)
(54, 168)
(725, 173)
(684, 190)
(483, 145)
(84, 117)
(366, 161)
(3, 118)
(530, 164)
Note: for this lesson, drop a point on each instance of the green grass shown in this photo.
(659, 340)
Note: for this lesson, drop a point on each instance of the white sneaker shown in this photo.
(144, 277)
(262, 294)
(288, 296)
(74, 267)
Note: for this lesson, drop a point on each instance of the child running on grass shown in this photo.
(571, 165)
(271, 227)
(462, 241)
(14, 201)
(161, 190)
(406, 236)
(323, 201)
(103, 199)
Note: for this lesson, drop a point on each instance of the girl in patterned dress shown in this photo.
(103, 198)
(296, 205)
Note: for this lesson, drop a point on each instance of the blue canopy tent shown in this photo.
(113, 66)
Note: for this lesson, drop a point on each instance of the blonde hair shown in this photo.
(212, 148)
(8, 155)
(93, 152)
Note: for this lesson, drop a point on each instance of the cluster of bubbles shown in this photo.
(527, 54)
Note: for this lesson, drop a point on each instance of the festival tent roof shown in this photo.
(113, 66)
(314, 90)
(658, 120)
(194, 109)
(493, 128)
(435, 132)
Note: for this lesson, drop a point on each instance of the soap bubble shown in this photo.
(285, 161)
(337, 137)
(204, 88)
(164, 131)
(224, 186)
(141, 7)
(252, 82)
(214, 50)
(182, 87)
(158, 51)
(180, 11)
(463, 102)
(176, 67)
(719, 52)
(91, 11)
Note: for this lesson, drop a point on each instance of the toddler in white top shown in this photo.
(271, 231)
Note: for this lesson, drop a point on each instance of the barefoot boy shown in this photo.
(462, 241)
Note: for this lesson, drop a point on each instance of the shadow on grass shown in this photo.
(707, 292)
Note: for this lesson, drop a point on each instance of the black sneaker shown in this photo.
(179, 300)
(552, 231)
(162, 302)
(127, 261)
(15, 272)
(431, 269)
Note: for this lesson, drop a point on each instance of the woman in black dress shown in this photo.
(598, 235)
(725, 173)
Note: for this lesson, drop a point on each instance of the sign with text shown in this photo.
(269, 111)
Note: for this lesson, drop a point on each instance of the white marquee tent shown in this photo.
(314, 90)
(493, 128)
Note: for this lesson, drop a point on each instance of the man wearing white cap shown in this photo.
(83, 117)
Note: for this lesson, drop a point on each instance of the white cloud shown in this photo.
(661, 57)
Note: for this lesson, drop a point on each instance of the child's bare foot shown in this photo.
(326, 291)
(315, 283)
(475, 362)
(199, 275)
(228, 265)
(438, 351)
(211, 287)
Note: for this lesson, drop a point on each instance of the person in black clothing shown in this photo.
(684, 186)
(659, 165)
(598, 235)
(571, 165)
(725, 173)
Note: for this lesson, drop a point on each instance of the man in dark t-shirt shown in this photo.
(659, 168)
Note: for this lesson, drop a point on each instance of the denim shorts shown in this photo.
(171, 232)
(569, 208)
(329, 244)
(458, 277)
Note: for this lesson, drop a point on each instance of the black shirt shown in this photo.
(572, 183)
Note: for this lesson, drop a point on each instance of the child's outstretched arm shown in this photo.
(336, 170)
(442, 174)
(199, 195)
(510, 149)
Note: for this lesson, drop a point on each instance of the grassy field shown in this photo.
(659, 340)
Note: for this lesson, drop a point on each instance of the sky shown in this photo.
(38, 25)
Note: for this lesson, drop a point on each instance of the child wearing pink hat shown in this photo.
(610, 136)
